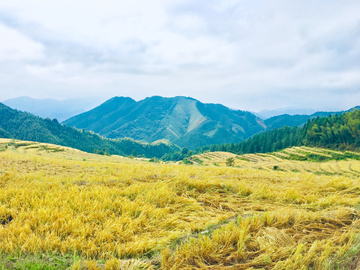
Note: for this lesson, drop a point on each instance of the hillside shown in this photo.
(52, 108)
(301, 159)
(337, 132)
(183, 121)
(280, 121)
(24, 126)
(266, 114)
(65, 209)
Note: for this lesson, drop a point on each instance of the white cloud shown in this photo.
(17, 47)
(248, 54)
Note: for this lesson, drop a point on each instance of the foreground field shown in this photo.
(97, 212)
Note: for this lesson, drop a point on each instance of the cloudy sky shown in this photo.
(245, 54)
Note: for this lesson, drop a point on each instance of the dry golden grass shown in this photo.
(280, 160)
(197, 217)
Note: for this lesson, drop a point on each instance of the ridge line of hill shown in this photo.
(183, 121)
(19, 125)
(337, 132)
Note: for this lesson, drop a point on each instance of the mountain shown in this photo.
(52, 108)
(25, 126)
(183, 121)
(265, 114)
(296, 120)
(338, 132)
(292, 120)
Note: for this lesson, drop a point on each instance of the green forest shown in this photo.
(24, 126)
(338, 132)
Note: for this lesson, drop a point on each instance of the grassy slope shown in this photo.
(101, 211)
(296, 159)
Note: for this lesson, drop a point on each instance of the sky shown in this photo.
(246, 54)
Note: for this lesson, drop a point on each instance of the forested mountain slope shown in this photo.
(296, 120)
(184, 121)
(24, 126)
(339, 132)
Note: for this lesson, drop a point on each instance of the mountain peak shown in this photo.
(181, 120)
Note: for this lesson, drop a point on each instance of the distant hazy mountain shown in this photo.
(52, 108)
(25, 126)
(184, 121)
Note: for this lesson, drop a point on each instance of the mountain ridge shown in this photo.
(337, 132)
(19, 125)
(182, 120)
(298, 119)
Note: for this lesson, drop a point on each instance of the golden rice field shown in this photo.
(118, 213)
(350, 168)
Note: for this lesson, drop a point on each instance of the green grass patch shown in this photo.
(37, 262)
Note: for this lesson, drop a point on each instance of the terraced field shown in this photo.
(64, 209)
(29, 148)
(296, 159)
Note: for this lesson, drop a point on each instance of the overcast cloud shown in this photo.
(249, 54)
